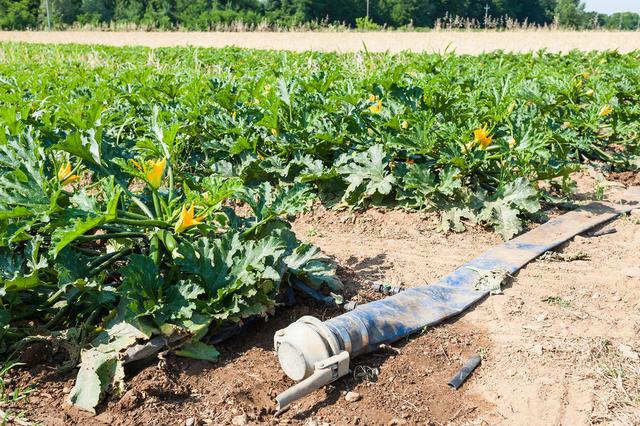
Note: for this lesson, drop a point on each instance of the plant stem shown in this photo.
(148, 223)
(83, 238)
(100, 259)
(55, 296)
(170, 173)
(132, 215)
(156, 204)
(255, 226)
(104, 265)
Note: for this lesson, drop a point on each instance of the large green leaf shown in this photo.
(366, 173)
(100, 366)
(63, 236)
(198, 350)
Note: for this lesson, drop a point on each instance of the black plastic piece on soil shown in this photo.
(463, 374)
(386, 289)
(603, 232)
(312, 292)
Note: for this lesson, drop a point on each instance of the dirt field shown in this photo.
(560, 346)
(440, 41)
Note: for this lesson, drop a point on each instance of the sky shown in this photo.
(612, 6)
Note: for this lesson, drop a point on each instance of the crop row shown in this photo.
(122, 170)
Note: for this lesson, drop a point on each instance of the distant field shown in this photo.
(462, 42)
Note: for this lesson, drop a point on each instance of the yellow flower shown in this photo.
(481, 135)
(187, 219)
(512, 142)
(586, 75)
(589, 92)
(566, 125)
(154, 172)
(404, 124)
(274, 132)
(372, 98)
(375, 108)
(65, 174)
(605, 110)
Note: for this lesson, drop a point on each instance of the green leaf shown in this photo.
(83, 145)
(100, 366)
(366, 174)
(180, 299)
(502, 212)
(62, 237)
(198, 350)
(452, 219)
(308, 263)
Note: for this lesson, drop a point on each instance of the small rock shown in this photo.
(635, 214)
(240, 420)
(537, 350)
(595, 296)
(352, 396)
(311, 422)
(541, 317)
(628, 352)
(65, 389)
(510, 372)
(190, 421)
(397, 422)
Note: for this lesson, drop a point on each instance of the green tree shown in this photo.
(18, 14)
(128, 10)
(570, 13)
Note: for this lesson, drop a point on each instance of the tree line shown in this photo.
(209, 14)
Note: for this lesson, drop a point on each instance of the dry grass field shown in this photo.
(470, 42)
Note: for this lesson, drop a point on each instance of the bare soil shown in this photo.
(560, 346)
(462, 42)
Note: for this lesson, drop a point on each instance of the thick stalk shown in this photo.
(110, 261)
(142, 223)
(255, 226)
(100, 259)
(170, 173)
(156, 205)
(83, 238)
(132, 215)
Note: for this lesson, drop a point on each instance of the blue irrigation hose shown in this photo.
(319, 352)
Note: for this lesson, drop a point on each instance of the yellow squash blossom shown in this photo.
(482, 136)
(155, 171)
(605, 110)
(375, 108)
(404, 124)
(65, 174)
(187, 219)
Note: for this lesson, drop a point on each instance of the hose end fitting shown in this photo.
(308, 351)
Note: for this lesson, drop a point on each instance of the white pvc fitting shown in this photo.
(302, 344)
